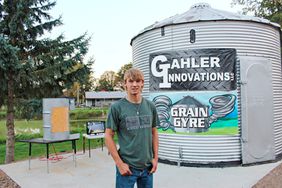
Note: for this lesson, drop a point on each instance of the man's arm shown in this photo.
(155, 149)
(109, 140)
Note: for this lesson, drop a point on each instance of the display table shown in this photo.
(90, 137)
(72, 138)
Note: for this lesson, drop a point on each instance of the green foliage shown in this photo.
(33, 67)
(271, 10)
(106, 81)
(41, 67)
(87, 113)
(39, 150)
(8, 61)
(120, 74)
(111, 81)
(29, 109)
(2, 115)
(34, 128)
(34, 112)
(27, 136)
(8, 56)
(24, 131)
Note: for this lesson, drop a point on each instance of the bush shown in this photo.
(29, 109)
(77, 130)
(2, 115)
(80, 113)
(87, 114)
(27, 136)
(22, 137)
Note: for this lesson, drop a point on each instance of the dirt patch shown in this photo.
(272, 180)
(6, 181)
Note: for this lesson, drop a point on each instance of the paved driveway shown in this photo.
(99, 172)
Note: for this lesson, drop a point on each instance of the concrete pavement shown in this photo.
(99, 172)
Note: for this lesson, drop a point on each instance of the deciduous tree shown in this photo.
(120, 75)
(269, 9)
(106, 81)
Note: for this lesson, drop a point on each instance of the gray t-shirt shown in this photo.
(133, 124)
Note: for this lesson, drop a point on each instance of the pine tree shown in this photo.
(33, 67)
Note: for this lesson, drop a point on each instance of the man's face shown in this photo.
(134, 87)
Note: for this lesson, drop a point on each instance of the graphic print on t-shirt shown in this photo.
(138, 122)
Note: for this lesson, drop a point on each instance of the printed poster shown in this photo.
(195, 91)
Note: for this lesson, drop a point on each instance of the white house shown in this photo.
(102, 98)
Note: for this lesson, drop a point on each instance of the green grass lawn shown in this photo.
(21, 127)
(39, 150)
(29, 129)
(32, 129)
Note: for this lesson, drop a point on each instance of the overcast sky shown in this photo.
(113, 23)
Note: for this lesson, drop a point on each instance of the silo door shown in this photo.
(257, 110)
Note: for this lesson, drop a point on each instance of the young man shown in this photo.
(134, 119)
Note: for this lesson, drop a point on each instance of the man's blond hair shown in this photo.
(133, 74)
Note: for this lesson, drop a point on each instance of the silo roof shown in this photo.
(203, 12)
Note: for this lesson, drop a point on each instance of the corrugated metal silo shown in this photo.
(237, 61)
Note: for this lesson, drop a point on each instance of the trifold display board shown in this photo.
(56, 118)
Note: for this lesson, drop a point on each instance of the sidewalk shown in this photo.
(99, 172)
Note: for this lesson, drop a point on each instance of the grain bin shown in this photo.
(215, 78)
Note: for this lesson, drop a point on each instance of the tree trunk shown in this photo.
(10, 141)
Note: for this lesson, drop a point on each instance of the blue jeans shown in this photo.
(142, 177)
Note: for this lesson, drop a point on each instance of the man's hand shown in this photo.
(154, 166)
(124, 169)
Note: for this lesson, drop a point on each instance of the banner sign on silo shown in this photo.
(204, 69)
(195, 90)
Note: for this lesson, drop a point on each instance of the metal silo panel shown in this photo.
(239, 95)
(216, 34)
(277, 98)
(195, 149)
(149, 42)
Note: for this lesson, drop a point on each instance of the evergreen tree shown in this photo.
(33, 67)
(8, 67)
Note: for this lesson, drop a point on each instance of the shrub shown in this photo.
(2, 115)
(29, 109)
(27, 136)
(87, 113)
